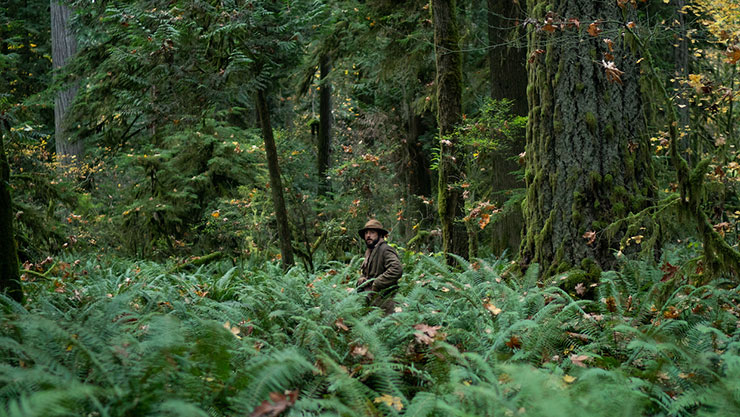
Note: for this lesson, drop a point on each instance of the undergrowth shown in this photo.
(107, 337)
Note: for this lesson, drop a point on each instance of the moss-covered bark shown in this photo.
(276, 183)
(324, 143)
(449, 115)
(587, 161)
(9, 276)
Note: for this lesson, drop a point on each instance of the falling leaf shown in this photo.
(569, 379)
(277, 404)
(574, 22)
(631, 25)
(548, 27)
(485, 218)
(594, 29)
(533, 56)
(390, 401)
(609, 44)
(613, 74)
(590, 236)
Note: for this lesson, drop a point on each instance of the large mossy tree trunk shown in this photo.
(449, 115)
(508, 74)
(325, 116)
(587, 160)
(9, 276)
(276, 183)
(63, 48)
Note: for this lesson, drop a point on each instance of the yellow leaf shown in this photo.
(569, 379)
(390, 401)
(215, 214)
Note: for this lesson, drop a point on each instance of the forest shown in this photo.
(182, 183)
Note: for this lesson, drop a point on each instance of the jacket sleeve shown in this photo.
(393, 271)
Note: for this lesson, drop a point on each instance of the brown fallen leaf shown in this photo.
(579, 359)
(277, 404)
(340, 324)
(426, 333)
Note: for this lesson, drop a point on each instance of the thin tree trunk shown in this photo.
(681, 60)
(449, 115)
(9, 277)
(588, 159)
(324, 143)
(276, 184)
(508, 75)
(417, 176)
(63, 47)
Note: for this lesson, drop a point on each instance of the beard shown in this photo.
(371, 243)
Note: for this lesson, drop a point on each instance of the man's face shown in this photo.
(371, 238)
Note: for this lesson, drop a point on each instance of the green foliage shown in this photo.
(118, 338)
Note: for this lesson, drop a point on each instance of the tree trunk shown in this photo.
(681, 62)
(416, 176)
(508, 75)
(276, 184)
(324, 143)
(507, 58)
(449, 115)
(587, 161)
(63, 47)
(9, 278)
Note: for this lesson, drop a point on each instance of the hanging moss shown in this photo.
(594, 179)
(619, 209)
(591, 122)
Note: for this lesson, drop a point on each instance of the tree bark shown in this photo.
(9, 275)
(681, 61)
(588, 159)
(508, 75)
(507, 58)
(63, 48)
(449, 115)
(416, 176)
(276, 184)
(325, 116)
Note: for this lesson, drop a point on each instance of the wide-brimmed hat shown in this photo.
(372, 224)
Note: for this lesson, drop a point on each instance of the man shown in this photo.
(381, 268)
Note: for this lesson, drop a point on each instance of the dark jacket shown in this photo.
(383, 269)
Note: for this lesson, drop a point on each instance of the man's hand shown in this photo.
(361, 284)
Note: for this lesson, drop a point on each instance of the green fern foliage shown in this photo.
(117, 338)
